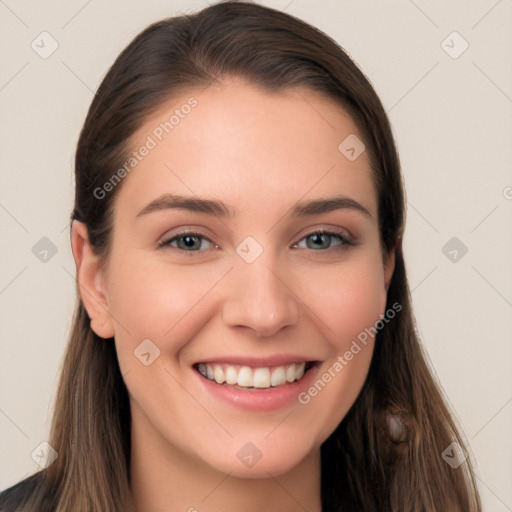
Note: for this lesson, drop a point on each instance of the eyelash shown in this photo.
(345, 241)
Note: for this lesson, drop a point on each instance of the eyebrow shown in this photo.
(219, 208)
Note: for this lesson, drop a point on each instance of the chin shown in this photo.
(262, 462)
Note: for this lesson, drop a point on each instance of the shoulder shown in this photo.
(14, 498)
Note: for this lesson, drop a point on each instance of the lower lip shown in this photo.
(261, 400)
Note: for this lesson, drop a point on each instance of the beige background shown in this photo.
(452, 121)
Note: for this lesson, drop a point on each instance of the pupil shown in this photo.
(189, 241)
(317, 239)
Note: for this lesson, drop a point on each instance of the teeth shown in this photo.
(290, 373)
(278, 377)
(261, 378)
(231, 375)
(218, 374)
(247, 377)
(202, 369)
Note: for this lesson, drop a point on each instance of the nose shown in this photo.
(260, 298)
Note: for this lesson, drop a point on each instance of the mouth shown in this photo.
(250, 378)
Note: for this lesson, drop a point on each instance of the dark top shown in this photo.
(12, 498)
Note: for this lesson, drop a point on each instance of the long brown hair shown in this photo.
(386, 454)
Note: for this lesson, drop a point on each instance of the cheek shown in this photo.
(349, 306)
(156, 301)
(160, 300)
(347, 298)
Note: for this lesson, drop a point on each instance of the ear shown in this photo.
(90, 281)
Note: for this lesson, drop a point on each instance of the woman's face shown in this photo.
(256, 295)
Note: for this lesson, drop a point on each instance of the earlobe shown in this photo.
(90, 281)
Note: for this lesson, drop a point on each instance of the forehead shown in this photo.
(243, 143)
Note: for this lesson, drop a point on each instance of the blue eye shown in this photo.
(187, 241)
(323, 240)
(190, 241)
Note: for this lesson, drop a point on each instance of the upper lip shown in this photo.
(258, 361)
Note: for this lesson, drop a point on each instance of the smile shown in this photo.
(253, 378)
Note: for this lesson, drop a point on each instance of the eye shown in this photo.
(187, 241)
(322, 239)
(190, 241)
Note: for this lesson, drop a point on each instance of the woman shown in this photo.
(243, 337)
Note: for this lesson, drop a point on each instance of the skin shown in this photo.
(260, 153)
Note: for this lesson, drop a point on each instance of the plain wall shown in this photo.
(451, 116)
